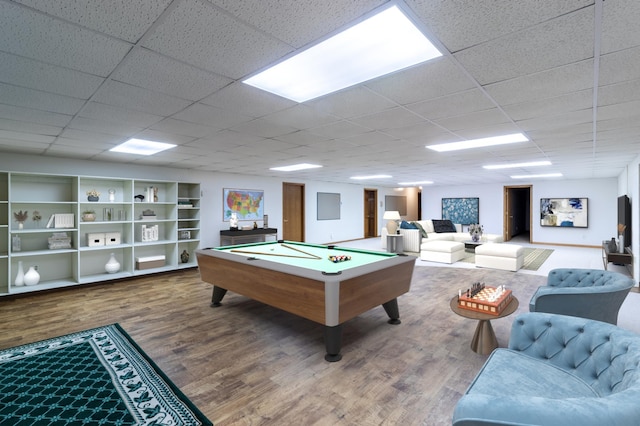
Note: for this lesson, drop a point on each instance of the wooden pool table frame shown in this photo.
(328, 299)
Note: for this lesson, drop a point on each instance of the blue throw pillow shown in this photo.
(407, 225)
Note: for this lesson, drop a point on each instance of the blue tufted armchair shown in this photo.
(557, 370)
(586, 293)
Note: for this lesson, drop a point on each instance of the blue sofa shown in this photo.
(586, 293)
(557, 370)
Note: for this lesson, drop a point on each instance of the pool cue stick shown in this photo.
(272, 254)
(301, 251)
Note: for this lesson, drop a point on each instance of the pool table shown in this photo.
(301, 279)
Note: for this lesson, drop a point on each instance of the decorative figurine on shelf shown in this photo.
(37, 217)
(112, 195)
(155, 194)
(255, 225)
(32, 277)
(93, 195)
(112, 266)
(139, 198)
(233, 222)
(184, 257)
(21, 217)
(265, 221)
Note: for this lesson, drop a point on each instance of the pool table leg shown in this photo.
(391, 308)
(218, 294)
(333, 342)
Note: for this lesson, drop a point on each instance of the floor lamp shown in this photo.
(393, 217)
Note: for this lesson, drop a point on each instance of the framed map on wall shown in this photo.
(247, 204)
(464, 211)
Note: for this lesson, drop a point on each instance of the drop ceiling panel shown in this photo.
(619, 66)
(31, 34)
(352, 102)
(453, 105)
(544, 84)
(98, 111)
(619, 93)
(463, 24)
(102, 126)
(136, 98)
(247, 100)
(620, 25)
(198, 33)
(474, 120)
(38, 100)
(305, 21)
(548, 45)
(575, 101)
(34, 116)
(300, 116)
(150, 70)
(180, 127)
(25, 72)
(436, 78)
(394, 118)
(122, 19)
(219, 118)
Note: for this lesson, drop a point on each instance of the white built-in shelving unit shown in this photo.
(176, 212)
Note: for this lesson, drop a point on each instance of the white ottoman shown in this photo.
(508, 257)
(442, 251)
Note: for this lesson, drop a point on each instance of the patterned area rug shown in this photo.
(533, 258)
(98, 376)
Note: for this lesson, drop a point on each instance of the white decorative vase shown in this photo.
(621, 244)
(112, 266)
(32, 277)
(20, 276)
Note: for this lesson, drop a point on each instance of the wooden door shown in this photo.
(293, 211)
(370, 216)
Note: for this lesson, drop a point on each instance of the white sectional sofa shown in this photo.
(413, 238)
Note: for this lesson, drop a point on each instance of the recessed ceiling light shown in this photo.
(536, 176)
(371, 177)
(384, 43)
(421, 182)
(479, 143)
(515, 165)
(142, 147)
(295, 167)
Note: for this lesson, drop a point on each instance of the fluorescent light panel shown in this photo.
(295, 167)
(516, 165)
(142, 147)
(382, 44)
(545, 175)
(479, 143)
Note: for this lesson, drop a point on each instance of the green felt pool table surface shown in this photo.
(287, 253)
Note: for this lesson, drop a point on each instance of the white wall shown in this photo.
(602, 204)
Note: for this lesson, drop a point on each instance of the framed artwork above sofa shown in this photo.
(464, 211)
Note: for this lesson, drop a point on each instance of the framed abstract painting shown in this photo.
(564, 212)
(464, 211)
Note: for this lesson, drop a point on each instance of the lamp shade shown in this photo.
(392, 216)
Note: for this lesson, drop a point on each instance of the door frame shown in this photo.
(366, 212)
(506, 206)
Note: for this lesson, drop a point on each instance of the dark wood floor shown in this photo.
(248, 364)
